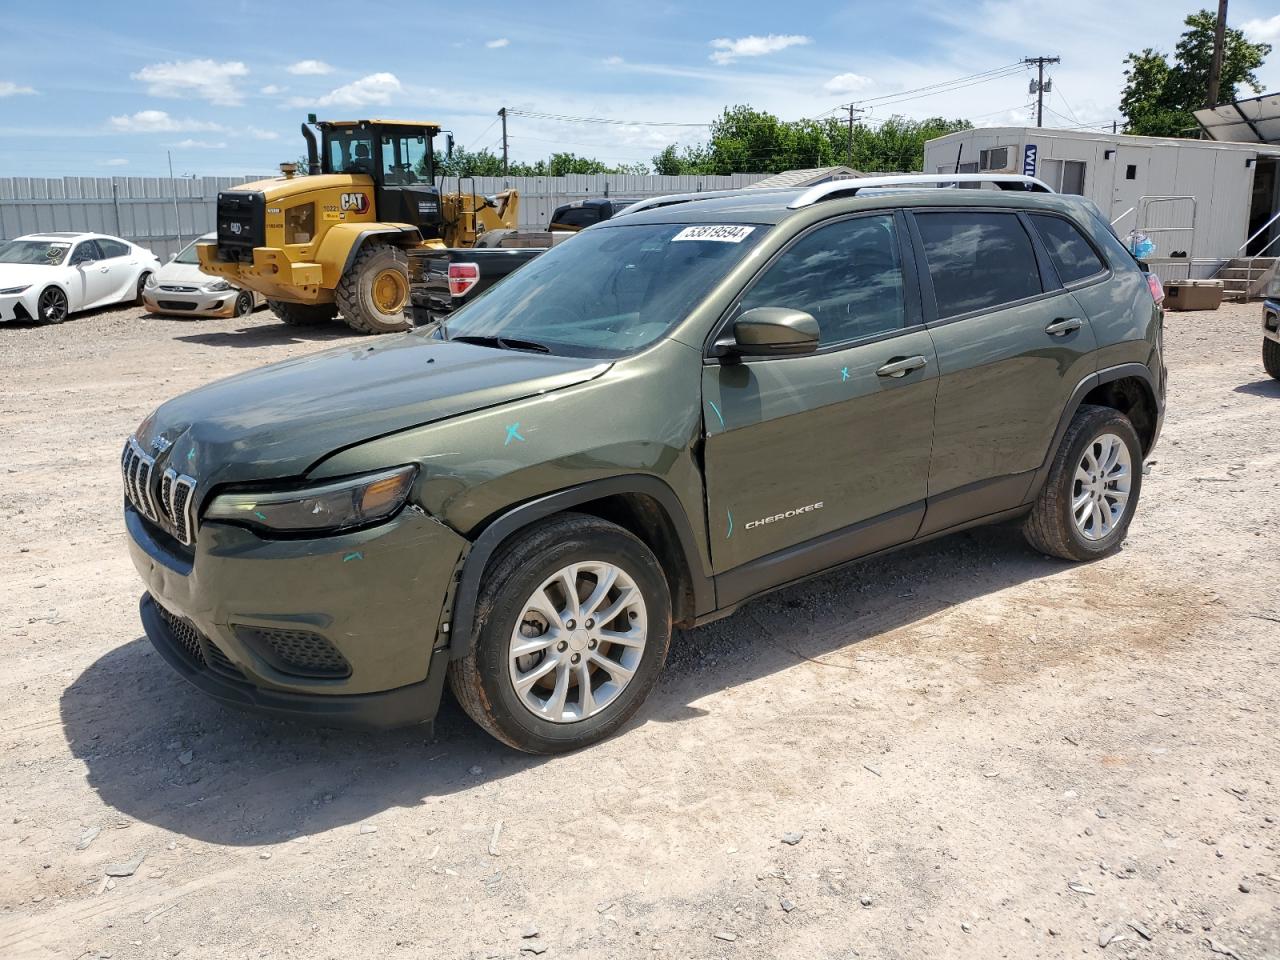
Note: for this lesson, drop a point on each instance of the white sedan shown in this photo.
(46, 277)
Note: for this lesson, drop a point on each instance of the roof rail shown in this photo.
(652, 203)
(849, 188)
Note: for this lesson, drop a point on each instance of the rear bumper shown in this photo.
(384, 710)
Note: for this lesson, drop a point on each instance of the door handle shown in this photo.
(1060, 328)
(901, 366)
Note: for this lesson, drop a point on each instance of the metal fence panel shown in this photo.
(142, 209)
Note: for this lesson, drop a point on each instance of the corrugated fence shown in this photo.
(162, 214)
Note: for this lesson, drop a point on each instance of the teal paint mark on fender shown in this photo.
(353, 556)
(513, 433)
(730, 533)
(844, 374)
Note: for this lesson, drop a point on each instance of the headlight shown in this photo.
(331, 507)
(8, 290)
(217, 286)
(151, 281)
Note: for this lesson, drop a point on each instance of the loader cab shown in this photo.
(399, 156)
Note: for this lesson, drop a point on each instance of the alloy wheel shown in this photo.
(1100, 493)
(52, 306)
(578, 642)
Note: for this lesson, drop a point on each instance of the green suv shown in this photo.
(673, 412)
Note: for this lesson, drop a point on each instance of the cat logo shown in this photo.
(355, 202)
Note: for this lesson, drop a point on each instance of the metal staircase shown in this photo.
(1247, 278)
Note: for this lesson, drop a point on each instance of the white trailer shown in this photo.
(1210, 207)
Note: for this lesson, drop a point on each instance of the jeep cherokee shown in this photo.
(677, 410)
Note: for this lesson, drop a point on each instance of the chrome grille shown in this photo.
(137, 467)
(178, 288)
(176, 504)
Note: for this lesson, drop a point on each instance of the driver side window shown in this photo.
(847, 274)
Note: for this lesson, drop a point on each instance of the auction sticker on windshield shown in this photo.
(723, 233)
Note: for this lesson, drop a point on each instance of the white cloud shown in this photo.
(189, 144)
(727, 50)
(259, 134)
(847, 83)
(115, 162)
(496, 44)
(310, 68)
(157, 121)
(1263, 31)
(613, 61)
(271, 89)
(205, 79)
(375, 88)
(10, 89)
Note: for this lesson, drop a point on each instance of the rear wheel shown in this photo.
(52, 306)
(375, 291)
(303, 314)
(1086, 504)
(1271, 358)
(142, 282)
(574, 624)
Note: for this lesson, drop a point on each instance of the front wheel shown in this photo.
(244, 304)
(375, 290)
(52, 307)
(574, 628)
(1271, 358)
(303, 314)
(1084, 509)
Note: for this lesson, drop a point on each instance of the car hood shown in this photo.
(276, 422)
(188, 274)
(16, 274)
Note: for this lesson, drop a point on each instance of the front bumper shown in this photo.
(18, 306)
(343, 629)
(196, 304)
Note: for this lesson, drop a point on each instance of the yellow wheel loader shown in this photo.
(335, 239)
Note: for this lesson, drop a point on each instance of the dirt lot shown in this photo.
(965, 750)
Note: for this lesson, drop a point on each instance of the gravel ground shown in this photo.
(963, 750)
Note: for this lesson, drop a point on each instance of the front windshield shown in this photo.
(46, 253)
(188, 253)
(608, 291)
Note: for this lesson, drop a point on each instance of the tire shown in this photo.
(244, 304)
(142, 282)
(1052, 525)
(52, 306)
(379, 274)
(484, 681)
(303, 314)
(1271, 358)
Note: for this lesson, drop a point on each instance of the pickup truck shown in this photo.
(442, 280)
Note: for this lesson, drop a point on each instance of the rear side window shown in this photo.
(978, 260)
(1070, 252)
(576, 217)
(848, 275)
(112, 248)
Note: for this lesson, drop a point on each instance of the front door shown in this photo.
(812, 460)
(92, 283)
(1012, 344)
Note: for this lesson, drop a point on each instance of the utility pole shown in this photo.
(503, 114)
(173, 185)
(853, 111)
(1219, 42)
(1037, 85)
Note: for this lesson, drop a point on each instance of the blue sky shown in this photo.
(94, 89)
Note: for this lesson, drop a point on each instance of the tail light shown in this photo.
(464, 276)
(1156, 287)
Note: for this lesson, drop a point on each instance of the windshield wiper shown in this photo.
(504, 343)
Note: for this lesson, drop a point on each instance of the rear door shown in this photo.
(121, 267)
(814, 459)
(1012, 345)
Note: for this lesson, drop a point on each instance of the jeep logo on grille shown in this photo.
(236, 228)
(355, 202)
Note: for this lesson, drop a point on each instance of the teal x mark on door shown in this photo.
(804, 448)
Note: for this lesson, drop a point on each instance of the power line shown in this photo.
(538, 115)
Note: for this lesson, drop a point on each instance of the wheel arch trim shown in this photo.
(363, 237)
(1138, 371)
(506, 525)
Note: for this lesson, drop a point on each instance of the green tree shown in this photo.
(1159, 96)
(746, 140)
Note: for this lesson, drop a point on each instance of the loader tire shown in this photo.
(303, 314)
(373, 294)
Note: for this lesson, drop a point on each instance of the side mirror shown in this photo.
(448, 146)
(773, 332)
